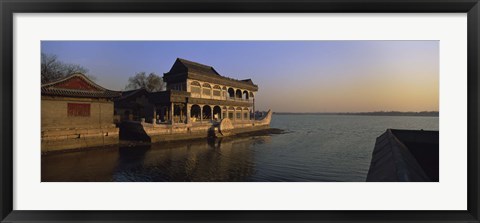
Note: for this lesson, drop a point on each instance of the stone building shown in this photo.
(77, 113)
(197, 93)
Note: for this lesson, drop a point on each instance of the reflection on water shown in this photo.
(315, 148)
(227, 159)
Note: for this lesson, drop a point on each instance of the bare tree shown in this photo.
(52, 68)
(151, 83)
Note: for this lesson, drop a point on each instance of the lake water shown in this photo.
(314, 148)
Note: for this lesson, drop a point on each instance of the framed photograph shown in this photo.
(239, 111)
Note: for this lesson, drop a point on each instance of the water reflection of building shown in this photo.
(195, 93)
(84, 166)
(227, 159)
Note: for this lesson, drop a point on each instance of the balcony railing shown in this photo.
(239, 99)
(197, 95)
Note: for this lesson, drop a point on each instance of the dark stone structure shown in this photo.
(405, 156)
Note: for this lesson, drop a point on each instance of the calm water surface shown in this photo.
(314, 148)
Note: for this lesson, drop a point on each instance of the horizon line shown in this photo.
(361, 112)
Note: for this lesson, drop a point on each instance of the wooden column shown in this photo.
(253, 108)
(167, 113)
(171, 113)
(154, 120)
(181, 112)
(189, 107)
(234, 114)
(211, 113)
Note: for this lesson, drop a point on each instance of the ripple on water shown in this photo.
(313, 148)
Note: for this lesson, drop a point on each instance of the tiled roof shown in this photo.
(127, 98)
(77, 85)
(199, 68)
(202, 69)
(130, 93)
(248, 81)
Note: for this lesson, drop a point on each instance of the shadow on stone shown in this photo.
(131, 130)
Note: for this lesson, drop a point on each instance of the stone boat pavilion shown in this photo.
(195, 93)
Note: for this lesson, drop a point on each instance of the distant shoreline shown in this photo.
(392, 113)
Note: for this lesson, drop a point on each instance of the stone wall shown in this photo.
(54, 113)
(64, 139)
(160, 133)
(59, 131)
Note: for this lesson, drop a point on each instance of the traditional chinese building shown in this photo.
(198, 103)
(197, 93)
(134, 105)
(77, 113)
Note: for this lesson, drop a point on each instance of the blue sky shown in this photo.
(293, 76)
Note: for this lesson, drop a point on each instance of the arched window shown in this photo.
(246, 114)
(231, 113)
(195, 113)
(238, 113)
(224, 112)
(206, 112)
(238, 93)
(217, 112)
(231, 93)
(195, 88)
(217, 91)
(207, 89)
(245, 95)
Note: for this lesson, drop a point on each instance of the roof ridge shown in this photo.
(196, 67)
(193, 62)
(131, 92)
(81, 75)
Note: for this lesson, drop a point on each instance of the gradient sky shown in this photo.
(293, 76)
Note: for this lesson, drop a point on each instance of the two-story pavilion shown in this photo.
(198, 93)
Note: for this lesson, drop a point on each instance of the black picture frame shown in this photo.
(9, 7)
